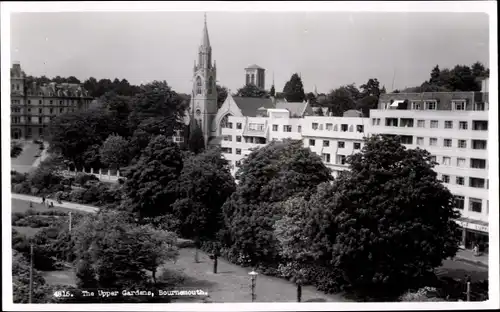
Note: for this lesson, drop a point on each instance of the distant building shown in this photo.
(255, 75)
(34, 106)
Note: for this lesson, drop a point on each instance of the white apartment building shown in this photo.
(452, 126)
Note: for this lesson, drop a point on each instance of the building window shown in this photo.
(198, 85)
(29, 101)
(61, 110)
(40, 102)
(420, 141)
(391, 122)
(341, 144)
(476, 182)
(29, 110)
(341, 159)
(416, 105)
(238, 138)
(459, 105)
(287, 128)
(210, 84)
(255, 127)
(434, 159)
(462, 143)
(326, 143)
(434, 124)
(228, 138)
(479, 144)
(329, 127)
(320, 127)
(325, 157)
(299, 129)
(357, 146)
(51, 110)
(60, 102)
(39, 110)
(480, 125)
(433, 141)
(431, 105)
(238, 151)
(51, 102)
(360, 128)
(406, 122)
(230, 125)
(447, 142)
(312, 142)
(462, 125)
(275, 127)
(227, 150)
(343, 128)
(461, 162)
(238, 125)
(315, 126)
(406, 139)
(477, 163)
(237, 163)
(459, 202)
(446, 161)
(40, 120)
(445, 178)
(374, 121)
(475, 204)
(460, 180)
(421, 123)
(40, 131)
(448, 124)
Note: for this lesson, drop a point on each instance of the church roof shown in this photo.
(249, 106)
(254, 66)
(295, 108)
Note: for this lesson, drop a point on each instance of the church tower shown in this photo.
(204, 95)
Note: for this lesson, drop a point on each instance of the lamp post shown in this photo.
(253, 277)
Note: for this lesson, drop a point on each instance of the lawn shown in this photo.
(19, 205)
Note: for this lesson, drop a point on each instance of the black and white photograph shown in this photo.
(199, 154)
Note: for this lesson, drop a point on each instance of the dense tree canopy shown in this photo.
(73, 134)
(151, 184)
(387, 222)
(204, 185)
(294, 89)
(251, 90)
(221, 95)
(196, 142)
(114, 151)
(268, 176)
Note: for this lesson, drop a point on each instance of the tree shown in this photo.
(272, 92)
(268, 176)
(114, 151)
(15, 149)
(152, 183)
(388, 221)
(342, 99)
(21, 278)
(295, 241)
(118, 108)
(205, 184)
(157, 101)
(251, 90)
(112, 252)
(294, 89)
(73, 134)
(221, 95)
(196, 141)
(435, 73)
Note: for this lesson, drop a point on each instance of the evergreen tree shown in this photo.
(294, 89)
(196, 141)
(272, 92)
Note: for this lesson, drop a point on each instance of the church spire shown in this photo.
(206, 41)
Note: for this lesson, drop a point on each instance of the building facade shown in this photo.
(34, 106)
(255, 75)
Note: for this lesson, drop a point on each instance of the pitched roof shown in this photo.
(254, 66)
(295, 108)
(249, 106)
(352, 113)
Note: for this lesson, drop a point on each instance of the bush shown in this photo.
(82, 178)
(34, 221)
(171, 277)
(21, 188)
(16, 177)
(422, 295)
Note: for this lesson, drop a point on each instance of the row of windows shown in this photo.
(475, 163)
(474, 144)
(17, 120)
(332, 127)
(475, 204)
(209, 85)
(40, 110)
(61, 102)
(478, 125)
(340, 144)
(457, 105)
(471, 182)
(339, 160)
(287, 128)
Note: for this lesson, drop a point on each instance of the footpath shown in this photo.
(468, 256)
(68, 205)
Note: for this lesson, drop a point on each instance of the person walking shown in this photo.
(43, 199)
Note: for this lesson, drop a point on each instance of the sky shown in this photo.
(328, 49)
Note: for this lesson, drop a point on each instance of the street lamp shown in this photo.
(253, 277)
